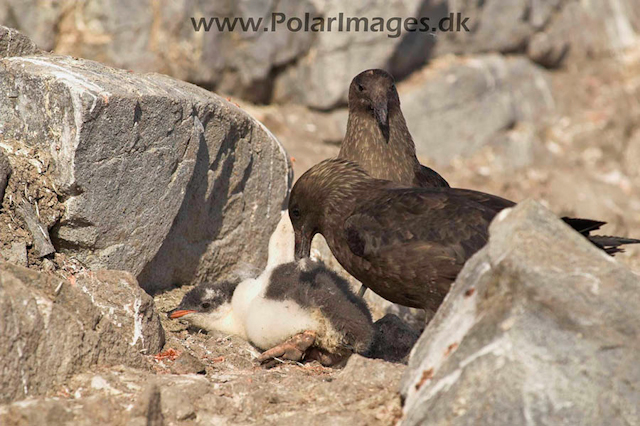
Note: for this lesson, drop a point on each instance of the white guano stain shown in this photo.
(77, 85)
(137, 322)
(25, 385)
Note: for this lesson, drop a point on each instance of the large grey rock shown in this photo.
(539, 328)
(455, 106)
(50, 329)
(14, 43)
(548, 31)
(120, 298)
(159, 177)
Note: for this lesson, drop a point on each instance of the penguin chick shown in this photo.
(295, 310)
(345, 320)
(208, 306)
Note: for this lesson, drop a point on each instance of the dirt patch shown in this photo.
(30, 185)
(234, 390)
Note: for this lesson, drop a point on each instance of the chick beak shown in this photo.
(177, 313)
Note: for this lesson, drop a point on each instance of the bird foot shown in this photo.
(293, 349)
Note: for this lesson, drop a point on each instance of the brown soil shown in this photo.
(30, 182)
